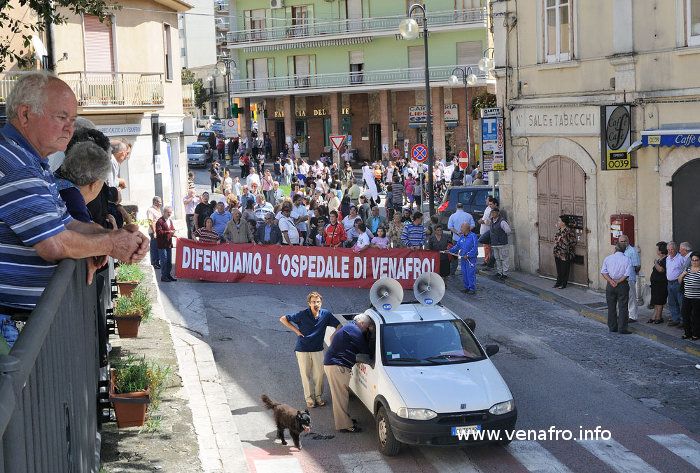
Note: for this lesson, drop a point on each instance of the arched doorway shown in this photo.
(686, 211)
(561, 189)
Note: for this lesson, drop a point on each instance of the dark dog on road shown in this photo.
(286, 417)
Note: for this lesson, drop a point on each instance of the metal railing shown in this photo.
(346, 79)
(313, 27)
(115, 89)
(187, 95)
(49, 380)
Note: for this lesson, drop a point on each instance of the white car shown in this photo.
(206, 120)
(428, 381)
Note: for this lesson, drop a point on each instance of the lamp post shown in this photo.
(224, 67)
(408, 28)
(469, 78)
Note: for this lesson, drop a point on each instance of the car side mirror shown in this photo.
(491, 350)
(364, 358)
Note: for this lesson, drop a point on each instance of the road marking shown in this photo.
(617, 456)
(364, 461)
(288, 465)
(535, 457)
(682, 445)
(449, 460)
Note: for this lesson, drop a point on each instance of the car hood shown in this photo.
(458, 387)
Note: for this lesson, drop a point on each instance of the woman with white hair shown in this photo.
(81, 177)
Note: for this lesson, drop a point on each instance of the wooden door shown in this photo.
(561, 189)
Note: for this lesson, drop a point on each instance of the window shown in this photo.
(357, 66)
(300, 20)
(693, 22)
(465, 198)
(258, 71)
(416, 62)
(302, 70)
(468, 10)
(254, 24)
(557, 30)
(168, 52)
(469, 52)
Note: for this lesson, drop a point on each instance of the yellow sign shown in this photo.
(617, 160)
(654, 139)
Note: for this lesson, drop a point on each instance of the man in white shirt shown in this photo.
(290, 234)
(485, 222)
(616, 269)
(253, 177)
(190, 200)
(300, 214)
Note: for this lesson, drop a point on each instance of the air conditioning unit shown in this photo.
(276, 4)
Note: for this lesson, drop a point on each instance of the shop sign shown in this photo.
(492, 144)
(615, 137)
(555, 121)
(120, 130)
(416, 115)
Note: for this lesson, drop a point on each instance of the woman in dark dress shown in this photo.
(438, 242)
(564, 246)
(659, 284)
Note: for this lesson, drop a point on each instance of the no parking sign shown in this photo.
(419, 152)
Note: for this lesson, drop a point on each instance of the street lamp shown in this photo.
(408, 28)
(486, 63)
(224, 67)
(469, 78)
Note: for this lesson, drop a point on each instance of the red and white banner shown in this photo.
(300, 265)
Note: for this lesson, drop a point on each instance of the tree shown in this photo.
(200, 93)
(187, 76)
(47, 12)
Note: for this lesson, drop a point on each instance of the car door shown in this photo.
(364, 376)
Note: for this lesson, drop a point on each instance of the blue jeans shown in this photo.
(469, 273)
(166, 264)
(8, 329)
(675, 299)
(155, 261)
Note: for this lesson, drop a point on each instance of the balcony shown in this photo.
(296, 29)
(187, 96)
(115, 89)
(347, 81)
(221, 7)
(222, 25)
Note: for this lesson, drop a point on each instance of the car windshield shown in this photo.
(195, 149)
(440, 342)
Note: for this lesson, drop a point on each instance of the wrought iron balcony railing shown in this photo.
(187, 95)
(345, 80)
(115, 89)
(293, 28)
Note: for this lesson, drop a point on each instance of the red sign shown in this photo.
(395, 153)
(419, 152)
(337, 141)
(300, 265)
(463, 160)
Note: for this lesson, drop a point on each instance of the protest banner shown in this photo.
(300, 265)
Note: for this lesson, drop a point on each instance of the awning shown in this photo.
(677, 137)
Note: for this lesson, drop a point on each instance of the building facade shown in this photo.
(601, 123)
(311, 69)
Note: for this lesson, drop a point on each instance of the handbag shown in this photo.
(485, 239)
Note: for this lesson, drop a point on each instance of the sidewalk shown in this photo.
(590, 303)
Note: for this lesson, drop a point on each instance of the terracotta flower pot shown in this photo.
(127, 287)
(129, 408)
(128, 325)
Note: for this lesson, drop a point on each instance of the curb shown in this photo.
(641, 330)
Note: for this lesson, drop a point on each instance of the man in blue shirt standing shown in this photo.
(454, 224)
(220, 218)
(467, 248)
(346, 343)
(617, 268)
(311, 326)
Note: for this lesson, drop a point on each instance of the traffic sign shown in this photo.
(463, 160)
(337, 141)
(395, 153)
(419, 152)
(230, 128)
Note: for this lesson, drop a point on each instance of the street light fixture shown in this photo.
(469, 78)
(486, 63)
(224, 67)
(408, 28)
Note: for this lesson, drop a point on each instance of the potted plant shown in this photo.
(128, 277)
(129, 392)
(130, 311)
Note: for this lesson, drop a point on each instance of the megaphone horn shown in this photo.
(429, 289)
(386, 294)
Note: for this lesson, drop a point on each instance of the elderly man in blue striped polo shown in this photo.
(413, 235)
(36, 230)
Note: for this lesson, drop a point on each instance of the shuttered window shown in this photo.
(167, 39)
(469, 52)
(99, 44)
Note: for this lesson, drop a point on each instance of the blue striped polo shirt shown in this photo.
(31, 210)
(413, 235)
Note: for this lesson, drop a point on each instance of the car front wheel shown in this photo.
(388, 444)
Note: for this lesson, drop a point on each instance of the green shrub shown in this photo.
(129, 272)
(139, 302)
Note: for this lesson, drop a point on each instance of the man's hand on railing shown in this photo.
(93, 264)
(128, 244)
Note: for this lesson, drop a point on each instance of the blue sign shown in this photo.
(674, 139)
(386, 306)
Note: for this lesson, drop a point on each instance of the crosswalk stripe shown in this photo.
(535, 457)
(682, 445)
(364, 461)
(449, 460)
(616, 456)
(288, 465)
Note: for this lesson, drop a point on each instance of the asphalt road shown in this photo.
(565, 371)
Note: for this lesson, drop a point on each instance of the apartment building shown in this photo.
(314, 68)
(601, 123)
(125, 73)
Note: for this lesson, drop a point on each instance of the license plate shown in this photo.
(466, 431)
